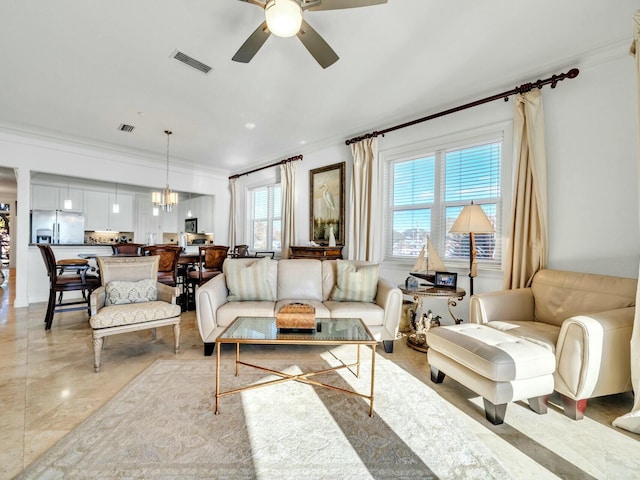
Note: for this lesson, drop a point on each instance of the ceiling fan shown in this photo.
(284, 19)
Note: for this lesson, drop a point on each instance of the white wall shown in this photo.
(591, 124)
(30, 154)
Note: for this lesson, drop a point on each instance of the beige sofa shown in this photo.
(301, 280)
(585, 319)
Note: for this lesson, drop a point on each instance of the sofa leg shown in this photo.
(97, 350)
(574, 409)
(539, 404)
(436, 375)
(388, 346)
(208, 349)
(494, 413)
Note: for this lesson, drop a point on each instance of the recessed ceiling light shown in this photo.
(250, 126)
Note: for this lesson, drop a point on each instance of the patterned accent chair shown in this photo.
(130, 299)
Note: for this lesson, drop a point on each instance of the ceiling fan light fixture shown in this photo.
(284, 17)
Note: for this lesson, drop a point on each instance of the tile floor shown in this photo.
(48, 387)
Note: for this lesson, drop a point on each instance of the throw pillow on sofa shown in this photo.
(120, 292)
(355, 283)
(247, 281)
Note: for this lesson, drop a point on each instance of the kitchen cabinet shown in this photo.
(123, 220)
(47, 197)
(99, 214)
(96, 210)
(201, 208)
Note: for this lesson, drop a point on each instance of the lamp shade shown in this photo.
(284, 17)
(472, 219)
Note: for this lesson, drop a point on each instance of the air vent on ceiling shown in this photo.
(126, 128)
(190, 61)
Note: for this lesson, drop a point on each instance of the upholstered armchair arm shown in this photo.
(390, 299)
(167, 293)
(594, 350)
(502, 305)
(97, 299)
(209, 297)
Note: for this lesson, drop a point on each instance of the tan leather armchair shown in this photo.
(585, 319)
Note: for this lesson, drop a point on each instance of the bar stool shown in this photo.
(60, 282)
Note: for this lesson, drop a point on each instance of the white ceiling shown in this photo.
(77, 69)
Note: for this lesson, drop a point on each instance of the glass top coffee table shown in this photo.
(263, 331)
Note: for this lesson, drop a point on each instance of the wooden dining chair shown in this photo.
(211, 258)
(66, 277)
(127, 248)
(168, 267)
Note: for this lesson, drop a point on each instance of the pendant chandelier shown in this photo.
(166, 199)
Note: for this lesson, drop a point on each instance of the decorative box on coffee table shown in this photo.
(296, 316)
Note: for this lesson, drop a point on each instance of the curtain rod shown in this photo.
(525, 87)
(281, 162)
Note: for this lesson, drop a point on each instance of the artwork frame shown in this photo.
(446, 280)
(326, 203)
(191, 225)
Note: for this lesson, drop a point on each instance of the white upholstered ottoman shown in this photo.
(496, 365)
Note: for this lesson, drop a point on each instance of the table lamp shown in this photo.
(472, 220)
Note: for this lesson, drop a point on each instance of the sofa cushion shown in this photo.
(119, 292)
(370, 313)
(228, 312)
(126, 314)
(537, 332)
(247, 281)
(559, 295)
(300, 279)
(356, 283)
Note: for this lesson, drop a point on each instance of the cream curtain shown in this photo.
(364, 238)
(527, 250)
(233, 212)
(288, 186)
(631, 421)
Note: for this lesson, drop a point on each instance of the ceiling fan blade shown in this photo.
(251, 46)
(318, 48)
(339, 4)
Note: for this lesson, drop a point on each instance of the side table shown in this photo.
(417, 339)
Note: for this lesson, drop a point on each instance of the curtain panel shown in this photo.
(288, 186)
(233, 213)
(528, 245)
(631, 421)
(365, 238)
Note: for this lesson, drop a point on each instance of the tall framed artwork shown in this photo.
(326, 201)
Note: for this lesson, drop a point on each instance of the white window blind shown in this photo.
(427, 191)
(265, 210)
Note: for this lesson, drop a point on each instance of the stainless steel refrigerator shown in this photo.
(57, 226)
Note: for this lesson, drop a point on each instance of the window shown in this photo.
(428, 189)
(265, 218)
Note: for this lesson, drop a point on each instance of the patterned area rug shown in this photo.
(162, 425)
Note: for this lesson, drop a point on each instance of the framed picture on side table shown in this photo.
(327, 204)
(446, 280)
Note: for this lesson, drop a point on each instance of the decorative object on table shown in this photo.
(446, 280)
(420, 326)
(296, 316)
(332, 237)
(472, 220)
(430, 262)
(327, 204)
(411, 283)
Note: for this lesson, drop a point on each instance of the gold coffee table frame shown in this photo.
(263, 331)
